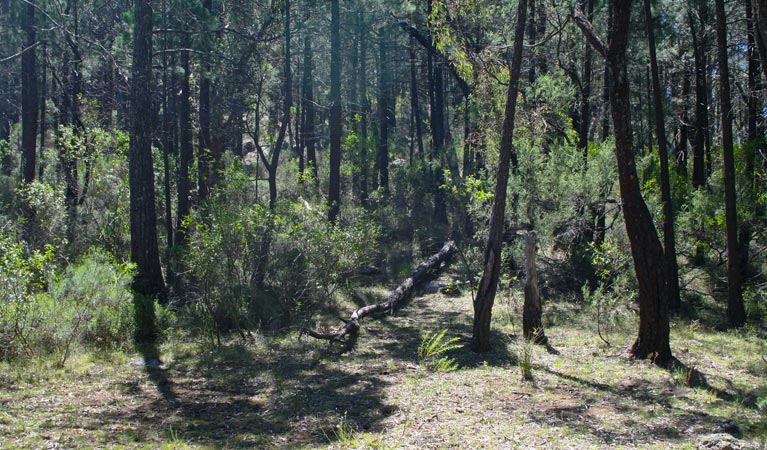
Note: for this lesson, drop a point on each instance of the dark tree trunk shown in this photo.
(532, 29)
(669, 240)
(607, 80)
(309, 112)
(168, 148)
(205, 144)
(382, 159)
(148, 282)
(684, 126)
(698, 138)
(334, 180)
(364, 108)
(760, 32)
(29, 96)
(483, 303)
(735, 311)
(185, 150)
(584, 122)
(414, 104)
(646, 250)
(43, 98)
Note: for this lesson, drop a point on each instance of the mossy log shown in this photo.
(425, 271)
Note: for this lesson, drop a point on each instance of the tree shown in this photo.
(483, 302)
(669, 237)
(736, 313)
(334, 186)
(646, 250)
(148, 283)
(29, 98)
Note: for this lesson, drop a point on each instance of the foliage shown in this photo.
(433, 349)
(46, 211)
(95, 293)
(254, 267)
(22, 278)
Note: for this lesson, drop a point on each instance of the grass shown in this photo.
(291, 392)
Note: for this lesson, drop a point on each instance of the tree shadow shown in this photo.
(156, 370)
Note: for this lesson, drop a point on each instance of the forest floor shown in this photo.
(292, 392)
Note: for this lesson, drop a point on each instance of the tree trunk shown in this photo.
(684, 126)
(735, 311)
(423, 272)
(148, 282)
(334, 180)
(414, 104)
(646, 250)
(43, 98)
(364, 108)
(308, 110)
(205, 145)
(669, 236)
(483, 303)
(185, 150)
(382, 159)
(760, 32)
(29, 97)
(584, 113)
(698, 139)
(532, 324)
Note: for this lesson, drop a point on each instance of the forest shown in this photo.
(383, 224)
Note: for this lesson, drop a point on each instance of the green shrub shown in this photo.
(22, 277)
(95, 297)
(255, 267)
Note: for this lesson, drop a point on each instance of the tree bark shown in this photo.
(148, 281)
(29, 96)
(185, 151)
(334, 181)
(308, 111)
(698, 138)
(532, 323)
(423, 272)
(736, 313)
(760, 32)
(414, 104)
(646, 250)
(382, 159)
(669, 236)
(483, 303)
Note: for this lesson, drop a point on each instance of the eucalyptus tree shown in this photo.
(736, 313)
(646, 249)
(29, 98)
(483, 302)
(669, 236)
(148, 282)
(336, 126)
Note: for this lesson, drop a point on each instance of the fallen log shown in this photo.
(423, 272)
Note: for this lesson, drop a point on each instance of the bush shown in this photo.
(251, 266)
(95, 298)
(89, 303)
(22, 276)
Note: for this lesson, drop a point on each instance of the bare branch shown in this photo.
(16, 55)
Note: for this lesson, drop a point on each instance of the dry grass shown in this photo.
(295, 393)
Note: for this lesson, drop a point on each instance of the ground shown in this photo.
(296, 392)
